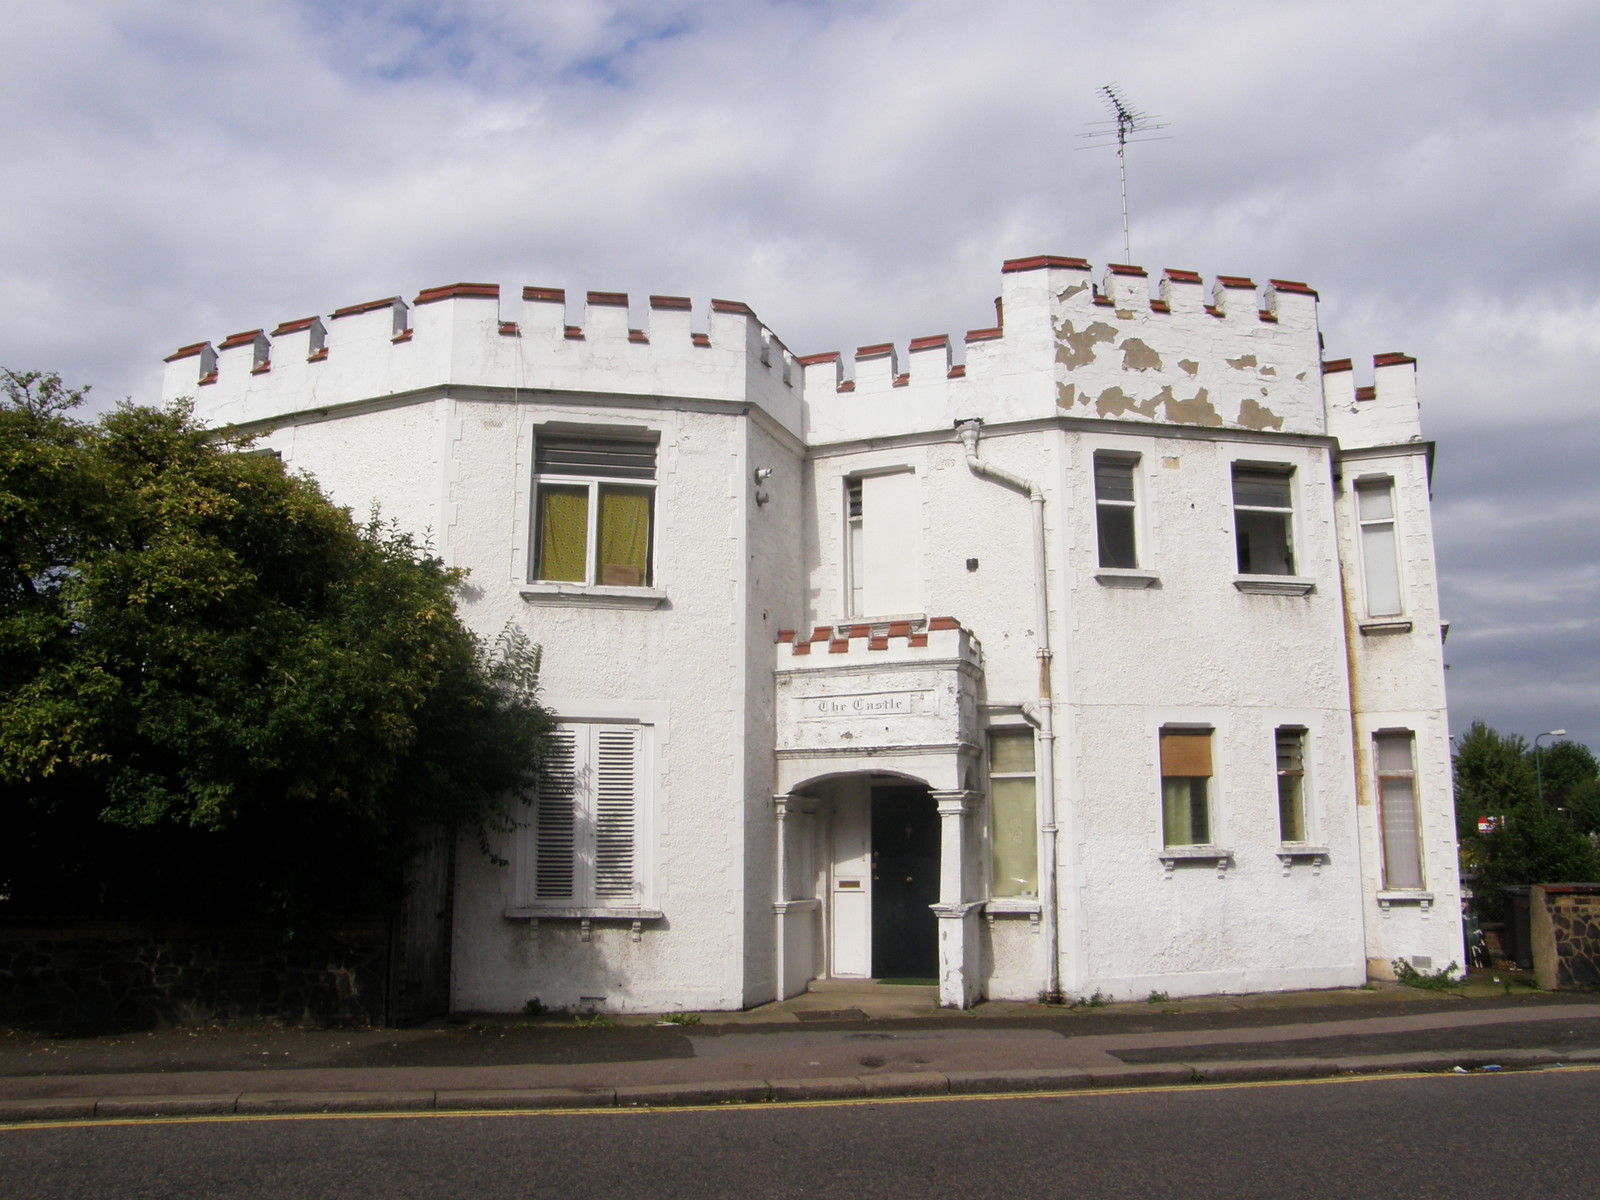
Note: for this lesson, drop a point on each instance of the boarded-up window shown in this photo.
(1186, 786)
(883, 530)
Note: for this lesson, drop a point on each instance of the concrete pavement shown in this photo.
(838, 1041)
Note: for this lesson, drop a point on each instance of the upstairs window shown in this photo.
(1186, 787)
(1291, 748)
(595, 502)
(1263, 517)
(1380, 562)
(1114, 510)
(1015, 821)
(883, 537)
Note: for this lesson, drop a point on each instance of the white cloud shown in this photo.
(856, 170)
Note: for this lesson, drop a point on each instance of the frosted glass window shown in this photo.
(1015, 820)
(1380, 561)
(1397, 802)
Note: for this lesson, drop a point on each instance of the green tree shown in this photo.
(215, 688)
(1493, 774)
(1533, 842)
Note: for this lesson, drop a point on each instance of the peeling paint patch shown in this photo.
(1188, 366)
(1301, 377)
(1170, 462)
(1137, 356)
(1243, 362)
(1254, 415)
(1076, 289)
(1198, 410)
(1066, 395)
(1269, 372)
(1113, 402)
(1075, 349)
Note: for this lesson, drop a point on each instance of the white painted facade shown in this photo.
(815, 686)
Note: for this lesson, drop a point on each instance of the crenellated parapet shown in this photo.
(1064, 343)
(459, 336)
(1383, 413)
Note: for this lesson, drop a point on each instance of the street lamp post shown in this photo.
(1538, 766)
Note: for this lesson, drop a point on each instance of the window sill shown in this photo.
(595, 595)
(1423, 900)
(1291, 852)
(1026, 905)
(541, 912)
(1125, 577)
(1171, 856)
(1386, 626)
(1275, 585)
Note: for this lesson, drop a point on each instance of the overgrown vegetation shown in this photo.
(1525, 839)
(1441, 980)
(217, 692)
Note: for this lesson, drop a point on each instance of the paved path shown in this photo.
(836, 1042)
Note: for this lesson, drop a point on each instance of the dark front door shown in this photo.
(905, 882)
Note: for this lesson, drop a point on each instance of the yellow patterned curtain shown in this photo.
(563, 533)
(625, 536)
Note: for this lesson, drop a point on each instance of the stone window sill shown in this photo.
(593, 595)
(1423, 900)
(1275, 585)
(1291, 852)
(1171, 856)
(1387, 626)
(585, 918)
(1026, 905)
(1126, 577)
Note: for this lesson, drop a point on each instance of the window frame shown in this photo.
(1285, 472)
(588, 897)
(594, 485)
(1024, 899)
(1177, 731)
(1371, 484)
(1381, 776)
(1299, 777)
(1130, 461)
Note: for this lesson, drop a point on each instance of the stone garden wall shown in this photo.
(1564, 921)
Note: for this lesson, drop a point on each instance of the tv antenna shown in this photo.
(1126, 121)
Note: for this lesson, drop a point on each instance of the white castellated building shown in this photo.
(1105, 659)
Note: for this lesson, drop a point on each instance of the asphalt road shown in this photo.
(1501, 1135)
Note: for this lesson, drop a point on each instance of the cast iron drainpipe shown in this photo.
(969, 432)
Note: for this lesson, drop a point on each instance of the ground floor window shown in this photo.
(581, 848)
(1397, 806)
(1186, 787)
(1014, 851)
(1291, 750)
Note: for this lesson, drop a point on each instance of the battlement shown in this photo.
(1383, 413)
(1066, 343)
(458, 336)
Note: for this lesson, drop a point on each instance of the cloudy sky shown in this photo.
(856, 170)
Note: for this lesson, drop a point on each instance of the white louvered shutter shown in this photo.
(616, 752)
(556, 817)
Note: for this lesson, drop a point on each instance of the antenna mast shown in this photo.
(1125, 121)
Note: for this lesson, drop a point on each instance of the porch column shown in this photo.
(784, 807)
(958, 915)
